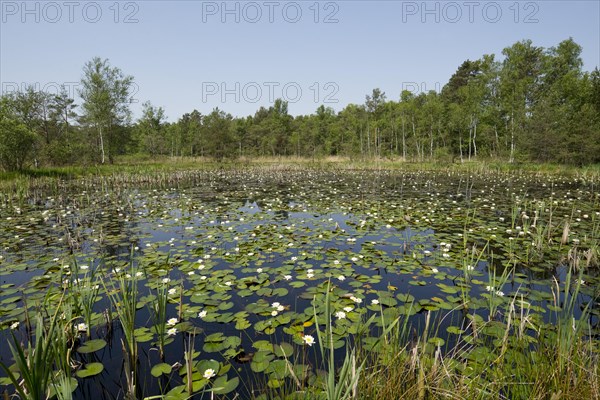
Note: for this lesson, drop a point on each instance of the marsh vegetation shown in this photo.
(296, 282)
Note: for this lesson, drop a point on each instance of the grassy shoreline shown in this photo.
(145, 165)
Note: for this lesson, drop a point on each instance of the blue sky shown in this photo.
(240, 55)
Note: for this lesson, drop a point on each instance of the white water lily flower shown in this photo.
(275, 304)
(166, 280)
(139, 273)
(280, 308)
(274, 313)
(356, 299)
(354, 259)
(340, 314)
(14, 325)
(310, 275)
(172, 322)
(259, 270)
(228, 283)
(374, 302)
(172, 291)
(309, 340)
(341, 278)
(202, 314)
(499, 293)
(84, 267)
(172, 332)
(287, 277)
(489, 288)
(209, 373)
(434, 270)
(81, 327)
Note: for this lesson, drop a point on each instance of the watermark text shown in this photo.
(454, 12)
(253, 12)
(254, 92)
(53, 12)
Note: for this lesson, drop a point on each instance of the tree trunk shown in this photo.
(431, 141)
(415, 136)
(403, 140)
(460, 146)
(101, 146)
(470, 138)
(512, 139)
(368, 141)
(496, 136)
(362, 151)
(474, 139)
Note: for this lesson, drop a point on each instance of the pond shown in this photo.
(235, 275)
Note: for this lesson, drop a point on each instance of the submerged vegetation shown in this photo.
(301, 283)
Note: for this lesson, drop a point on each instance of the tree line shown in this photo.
(534, 104)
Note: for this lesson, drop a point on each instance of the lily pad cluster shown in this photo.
(244, 261)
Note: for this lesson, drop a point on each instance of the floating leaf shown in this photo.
(91, 346)
(90, 369)
(222, 385)
(283, 349)
(160, 369)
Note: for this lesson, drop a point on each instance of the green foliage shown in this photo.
(528, 104)
(105, 93)
(36, 377)
(16, 140)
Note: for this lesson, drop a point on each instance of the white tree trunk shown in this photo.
(101, 146)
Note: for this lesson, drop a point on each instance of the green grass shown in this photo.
(525, 359)
(144, 165)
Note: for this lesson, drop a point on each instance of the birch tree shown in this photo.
(106, 96)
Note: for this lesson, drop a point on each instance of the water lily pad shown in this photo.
(160, 369)
(222, 385)
(283, 349)
(91, 346)
(90, 369)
